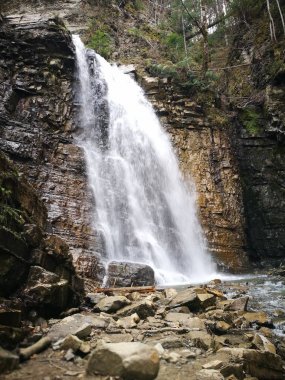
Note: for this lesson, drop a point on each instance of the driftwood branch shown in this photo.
(42, 344)
(179, 330)
(140, 289)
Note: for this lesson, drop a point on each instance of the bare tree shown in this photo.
(281, 15)
(271, 22)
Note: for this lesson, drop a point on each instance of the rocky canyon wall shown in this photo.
(37, 126)
(206, 155)
(238, 173)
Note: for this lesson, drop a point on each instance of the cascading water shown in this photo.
(144, 211)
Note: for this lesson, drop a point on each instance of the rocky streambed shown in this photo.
(200, 332)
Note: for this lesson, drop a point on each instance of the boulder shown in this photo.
(238, 304)
(222, 327)
(263, 343)
(259, 317)
(201, 339)
(187, 298)
(128, 360)
(170, 293)
(186, 320)
(69, 342)
(142, 308)
(128, 322)
(171, 342)
(125, 274)
(44, 288)
(112, 304)
(233, 369)
(83, 331)
(206, 300)
(261, 364)
(94, 298)
(8, 360)
(73, 323)
(214, 364)
(182, 309)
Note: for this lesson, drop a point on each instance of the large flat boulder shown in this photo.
(129, 360)
(124, 274)
(71, 325)
(112, 304)
(142, 308)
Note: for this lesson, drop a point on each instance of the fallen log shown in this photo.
(42, 344)
(130, 289)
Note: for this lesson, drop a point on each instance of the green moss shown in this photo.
(251, 120)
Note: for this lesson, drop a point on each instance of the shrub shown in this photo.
(101, 42)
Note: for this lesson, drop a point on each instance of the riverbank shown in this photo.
(200, 332)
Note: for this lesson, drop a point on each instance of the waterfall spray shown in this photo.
(144, 210)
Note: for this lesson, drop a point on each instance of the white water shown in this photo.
(144, 210)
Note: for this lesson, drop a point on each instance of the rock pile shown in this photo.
(194, 333)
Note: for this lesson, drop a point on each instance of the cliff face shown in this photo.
(37, 74)
(206, 155)
(259, 142)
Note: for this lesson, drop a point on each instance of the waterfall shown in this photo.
(143, 209)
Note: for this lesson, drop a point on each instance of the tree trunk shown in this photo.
(281, 15)
(271, 22)
(204, 31)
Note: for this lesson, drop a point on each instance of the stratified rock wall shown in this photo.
(37, 68)
(206, 154)
(262, 166)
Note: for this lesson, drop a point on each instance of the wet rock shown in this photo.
(128, 360)
(142, 308)
(112, 304)
(8, 360)
(124, 274)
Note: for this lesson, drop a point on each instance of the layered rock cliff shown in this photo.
(37, 123)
